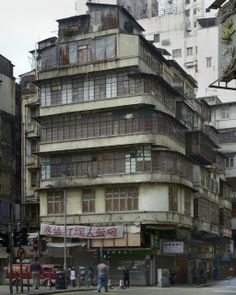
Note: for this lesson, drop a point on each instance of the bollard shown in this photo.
(17, 282)
(28, 281)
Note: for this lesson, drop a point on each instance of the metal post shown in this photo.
(10, 257)
(65, 234)
(21, 277)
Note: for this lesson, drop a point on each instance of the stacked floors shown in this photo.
(124, 150)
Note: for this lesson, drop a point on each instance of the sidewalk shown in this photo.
(4, 290)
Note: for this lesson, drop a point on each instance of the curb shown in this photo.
(57, 291)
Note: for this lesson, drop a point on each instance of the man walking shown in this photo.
(102, 270)
(36, 270)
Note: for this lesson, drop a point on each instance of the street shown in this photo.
(219, 288)
(225, 287)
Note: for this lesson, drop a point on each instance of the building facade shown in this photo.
(223, 118)
(129, 162)
(9, 150)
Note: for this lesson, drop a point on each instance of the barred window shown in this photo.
(121, 199)
(173, 198)
(88, 200)
(55, 202)
(187, 202)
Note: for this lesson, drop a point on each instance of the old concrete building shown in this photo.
(129, 162)
(224, 119)
(30, 173)
(9, 150)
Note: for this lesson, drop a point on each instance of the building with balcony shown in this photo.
(122, 140)
(30, 160)
(224, 119)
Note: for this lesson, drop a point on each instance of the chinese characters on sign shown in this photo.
(173, 247)
(85, 232)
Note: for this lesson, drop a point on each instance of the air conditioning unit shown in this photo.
(165, 42)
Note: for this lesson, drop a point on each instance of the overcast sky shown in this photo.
(25, 22)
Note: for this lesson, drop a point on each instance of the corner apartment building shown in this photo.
(9, 150)
(126, 152)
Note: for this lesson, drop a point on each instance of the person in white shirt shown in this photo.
(73, 276)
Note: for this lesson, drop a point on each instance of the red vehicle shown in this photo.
(48, 275)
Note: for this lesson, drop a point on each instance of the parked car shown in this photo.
(48, 275)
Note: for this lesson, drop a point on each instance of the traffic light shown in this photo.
(104, 254)
(4, 240)
(96, 253)
(20, 237)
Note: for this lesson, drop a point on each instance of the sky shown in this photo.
(25, 22)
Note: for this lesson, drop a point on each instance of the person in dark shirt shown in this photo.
(36, 270)
(126, 277)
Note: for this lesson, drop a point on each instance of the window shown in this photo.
(187, 202)
(224, 114)
(156, 38)
(33, 179)
(189, 51)
(88, 200)
(176, 53)
(195, 24)
(187, 12)
(173, 198)
(84, 54)
(121, 199)
(187, 1)
(208, 62)
(33, 146)
(229, 162)
(195, 11)
(55, 202)
(104, 47)
(111, 86)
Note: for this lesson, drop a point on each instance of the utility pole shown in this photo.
(10, 257)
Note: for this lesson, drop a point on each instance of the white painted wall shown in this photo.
(153, 197)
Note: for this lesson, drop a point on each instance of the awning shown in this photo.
(222, 83)
(68, 245)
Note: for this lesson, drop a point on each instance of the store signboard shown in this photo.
(173, 247)
(84, 232)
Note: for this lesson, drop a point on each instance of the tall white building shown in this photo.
(196, 51)
(138, 8)
(193, 9)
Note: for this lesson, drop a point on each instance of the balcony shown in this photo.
(94, 131)
(200, 148)
(32, 130)
(225, 232)
(201, 226)
(32, 161)
(167, 167)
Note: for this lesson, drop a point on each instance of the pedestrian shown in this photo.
(126, 277)
(102, 273)
(89, 277)
(109, 284)
(172, 277)
(36, 270)
(73, 276)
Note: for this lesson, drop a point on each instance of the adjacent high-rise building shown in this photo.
(10, 151)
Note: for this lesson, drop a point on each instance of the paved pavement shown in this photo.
(4, 289)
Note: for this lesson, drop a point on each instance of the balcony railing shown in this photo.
(97, 127)
(162, 162)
